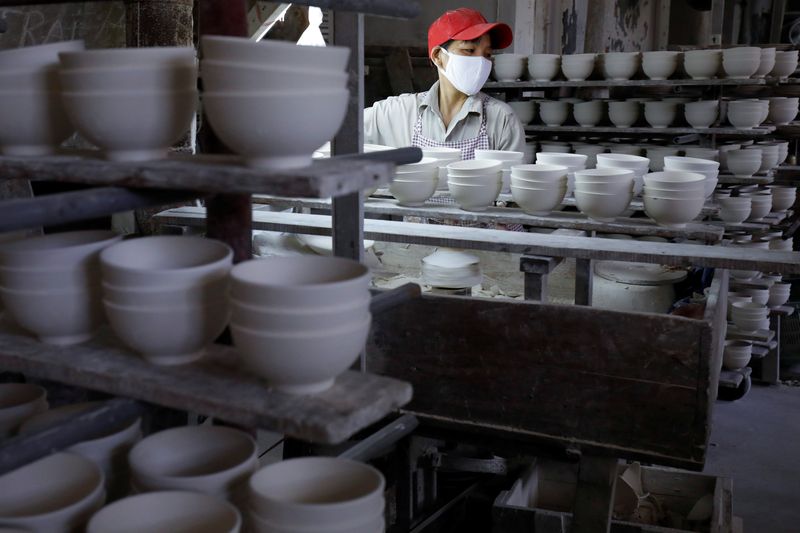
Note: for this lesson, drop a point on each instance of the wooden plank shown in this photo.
(594, 496)
(763, 335)
(519, 242)
(716, 315)
(628, 395)
(754, 132)
(212, 173)
(215, 386)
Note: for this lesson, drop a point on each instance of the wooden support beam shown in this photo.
(584, 273)
(594, 497)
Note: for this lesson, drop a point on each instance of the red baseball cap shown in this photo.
(466, 24)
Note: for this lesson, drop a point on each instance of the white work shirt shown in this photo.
(391, 122)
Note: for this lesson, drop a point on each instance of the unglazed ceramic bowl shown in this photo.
(32, 123)
(221, 77)
(577, 67)
(554, 112)
(660, 65)
(702, 64)
(624, 114)
(701, 114)
(19, 402)
(36, 57)
(270, 53)
(538, 201)
(544, 67)
(621, 65)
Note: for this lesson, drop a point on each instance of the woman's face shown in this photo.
(481, 47)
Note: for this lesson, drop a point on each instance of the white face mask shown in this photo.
(466, 73)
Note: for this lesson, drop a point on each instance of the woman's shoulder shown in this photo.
(402, 101)
(493, 105)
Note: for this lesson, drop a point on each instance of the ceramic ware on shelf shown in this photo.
(701, 114)
(779, 294)
(766, 62)
(639, 165)
(702, 64)
(525, 110)
(507, 158)
(736, 354)
(475, 184)
(538, 189)
(624, 114)
(451, 269)
(577, 67)
(621, 65)
(660, 114)
(783, 197)
(660, 65)
(509, 67)
(706, 167)
(544, 67)
(588, 114)
(744, 163)
(19, 402)
(782, 109)
(741, 62)
(604, 194)
(554, 112)
(734, 210)
(674, 198)
(785, 64)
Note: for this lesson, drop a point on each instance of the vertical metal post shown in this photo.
(348, 210)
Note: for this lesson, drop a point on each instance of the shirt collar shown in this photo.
(473, 103)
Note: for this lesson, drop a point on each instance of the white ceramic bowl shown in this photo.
(171, 335)
(525, 110)
(413, 193)
(540, 172)
(165, 261)
(554, 113)
(621, 65)
(675, 180)
(691, 164)
(736, 354)
(36, 57)
(73, 249)
(299, 283)
(126, 58)
(778, 296)
(696, 152)
(374, 524)
(155, 78)
(215, 460)
(312, 491)
(222, 77)
(744, 118)
(289, 320)
(32, 123)
(212, 292)
(785, 64)
(702, 64)
(269, 53)
(741, 62)
(660, 114)
(538, 201)
(588, 114)
(508, 70)
(573, 162)
(304, 362)
(760, 297)
(544, 67)
(300, 122)
(167, 512)
(474, 167)
(56, 494)
(19, 402)
(604, 207)
(577, 67)
(624, 114)
(701, 114)
(671, 212)
(732, 215)
(608, 175)
(499, 155)
(660, 65)
(473, 197)
(767, 62)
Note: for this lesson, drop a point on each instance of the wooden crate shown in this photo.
(541, 500)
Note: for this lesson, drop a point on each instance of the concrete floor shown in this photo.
(756, 441)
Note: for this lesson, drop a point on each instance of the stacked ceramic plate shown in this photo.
(152, 92)
(573, 162)
(674, 198)
(474, 184)
(166, 296)
(451, 269)
(509, 67)
(746, 114)
(706, 167)
(761, 206)
(443, 156)
(639, 165)
(771, 154)
(507, 158)
(32, 117)
(660, 65)
(317, 495)
(554, 112)
(744, 163)
(736, 354)
(621, 65)
(742, 62)
(538, 189)
(603, 194)
(273, 102)
(50, 285)
(701, 114)
(783, 197)
(782, 109)
(299, 322)
(525, 110)
(750, 316)
(413, 184)
(544, 67)
(19, 402)
(702, 64)
(734, 210)
(785, 64)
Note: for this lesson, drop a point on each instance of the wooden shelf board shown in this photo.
(208, 174)
(762, 335)
(730, 179)
(214, 386)
(522, 85)
(759, 131)
(733, 378)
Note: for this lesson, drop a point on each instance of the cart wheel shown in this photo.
(731, 395)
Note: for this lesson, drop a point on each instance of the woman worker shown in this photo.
(453, 113)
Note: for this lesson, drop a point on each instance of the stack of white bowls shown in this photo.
(736, 354)
(698, 152)
(273, 102)
(577, 67)
(554, 112)
(745, 114)
(298, 322)
(674, 198)
(706, 167)
(734, 210)
(474, 184)
(50, 285)
(58, 493)
(152, 92)
(590, 151)
(783, 197)
(770, 154)
(779, 294)
(741, 62)
(166, 296)
(544, 67)
(744, 163)
(215, 460)
(783, 149)
(734, 297)
(660, 65)
(109, 450)
(538, 189)
(701, 114)
(32, 117)
(782, 109)
(723, 154)
(525, 110)
(603, 194)
(767, 62)
(656, 155)
(621, 65)
(588, 114)
(660, 114)
(509, 67)
(451, 269)
(507, 159)
(785, 64)
(702, 64)
(444, 156)
(760, 296)
(414, 183)
(317, 495)
(639, 165)
(761, 206)
(167, 511)
(750, 316)
(624, 114)
(573, 162)
(19, 402)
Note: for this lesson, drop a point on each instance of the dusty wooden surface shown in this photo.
(215, 386)
(564, 375)
(518, 242)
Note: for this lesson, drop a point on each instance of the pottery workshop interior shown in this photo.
(399, 266)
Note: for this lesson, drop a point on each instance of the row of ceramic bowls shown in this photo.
(195, 478)
(296, 322)
(743, 114)
(737, 63)
(272, 102)
(754, 206)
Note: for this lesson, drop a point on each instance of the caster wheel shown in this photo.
(731, 395)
